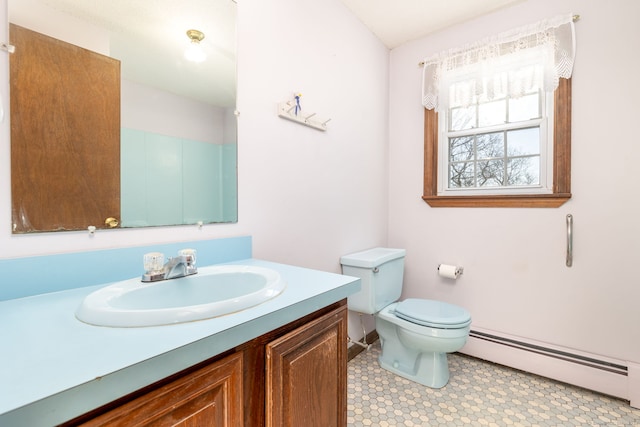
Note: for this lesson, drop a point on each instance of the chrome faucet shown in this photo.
(179, 266)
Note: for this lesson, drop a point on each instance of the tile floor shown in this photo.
(479, 393)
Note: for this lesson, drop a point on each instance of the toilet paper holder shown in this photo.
(448, 269)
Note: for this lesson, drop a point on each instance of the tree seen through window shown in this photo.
(495, 144)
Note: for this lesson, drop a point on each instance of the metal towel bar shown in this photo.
(569, 240)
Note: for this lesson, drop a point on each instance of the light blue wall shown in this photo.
(167, 180)
(230, 182)
(22, 277)
(202, 170)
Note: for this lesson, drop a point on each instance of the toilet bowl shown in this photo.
(418, 351)
(416, 334)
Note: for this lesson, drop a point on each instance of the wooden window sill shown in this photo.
(510, 201)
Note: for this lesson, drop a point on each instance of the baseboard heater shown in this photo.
(550, 352)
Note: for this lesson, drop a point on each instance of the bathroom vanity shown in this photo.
(280, 363)
(295, 375)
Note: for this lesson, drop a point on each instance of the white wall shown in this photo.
(310, 196)
(305, 196)
(515, 279)
(36, 15)
(152, 110)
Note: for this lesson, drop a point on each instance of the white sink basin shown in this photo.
(214, 291)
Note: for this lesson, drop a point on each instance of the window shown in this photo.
(500, 138)
(496, 146)
(560, 170)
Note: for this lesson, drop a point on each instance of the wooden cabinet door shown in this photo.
(208, 397)
(306, 374)
(65, 135)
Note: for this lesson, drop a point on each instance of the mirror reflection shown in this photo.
(175, 155)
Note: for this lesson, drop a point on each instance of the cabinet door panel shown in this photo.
(306, 375)
(208, 397)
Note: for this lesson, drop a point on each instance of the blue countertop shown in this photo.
(54, 367)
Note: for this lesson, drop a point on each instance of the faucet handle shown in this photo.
(153, 262)
(190, 254)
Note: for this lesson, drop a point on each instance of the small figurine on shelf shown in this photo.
(298, 107)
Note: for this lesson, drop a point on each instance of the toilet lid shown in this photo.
(436, 314)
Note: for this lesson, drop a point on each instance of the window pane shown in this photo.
(491, 173)
(524, 171)
(461, 175)
(461, 148)
(490, 145)
(524, 108)
(463, 118)
(522, 142)
(492, 113)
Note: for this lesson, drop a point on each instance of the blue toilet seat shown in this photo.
(434, 314)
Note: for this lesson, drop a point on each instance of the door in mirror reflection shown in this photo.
(65, 167)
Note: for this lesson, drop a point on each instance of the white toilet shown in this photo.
(416, 334)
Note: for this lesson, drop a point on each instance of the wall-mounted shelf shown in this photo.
(287, 110)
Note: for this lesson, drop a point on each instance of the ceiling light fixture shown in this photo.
(194, 52)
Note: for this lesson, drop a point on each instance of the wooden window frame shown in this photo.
(561, 164)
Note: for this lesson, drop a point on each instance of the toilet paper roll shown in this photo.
(449, 271)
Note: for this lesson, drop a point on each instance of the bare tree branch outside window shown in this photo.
(502, 158)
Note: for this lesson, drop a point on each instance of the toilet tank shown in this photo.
(381, 271)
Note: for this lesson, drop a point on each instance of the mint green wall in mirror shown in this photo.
(168, 180)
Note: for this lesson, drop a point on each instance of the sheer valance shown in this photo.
(509, 64)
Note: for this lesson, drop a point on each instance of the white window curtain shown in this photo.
(511, 63)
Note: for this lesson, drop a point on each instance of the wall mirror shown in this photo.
(175, 155)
